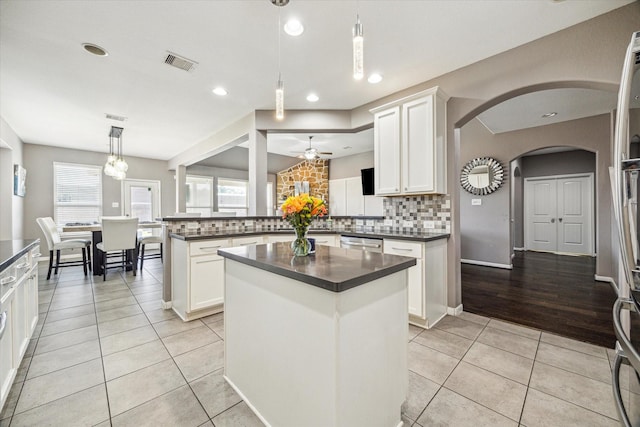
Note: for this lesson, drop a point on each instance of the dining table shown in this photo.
(96, 237)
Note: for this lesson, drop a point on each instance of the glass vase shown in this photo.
(301, 245)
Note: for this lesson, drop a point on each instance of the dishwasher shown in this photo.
(361, 243)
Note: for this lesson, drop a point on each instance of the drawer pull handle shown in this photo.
(3, 323)
(322, 241)
(402, 249)
(23, 265)
(248, 243)
(210, 247)
(8, 280)
(204, 262)
(37, 255)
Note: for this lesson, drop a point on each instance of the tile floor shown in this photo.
(105, 353)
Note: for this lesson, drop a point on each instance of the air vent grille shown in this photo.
(180, 62)
(114, 117)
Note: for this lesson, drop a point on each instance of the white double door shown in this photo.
(558, 214)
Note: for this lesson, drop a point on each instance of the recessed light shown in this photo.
(293, 27)
(94, 49)
(374, 78)
(547, 115)
(312, 97)
(220, 91)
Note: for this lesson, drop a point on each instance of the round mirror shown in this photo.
(482, 176)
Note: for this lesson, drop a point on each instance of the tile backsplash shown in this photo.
(405, 213)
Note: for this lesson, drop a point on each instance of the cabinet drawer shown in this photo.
(208, 247)
(404, 248)
(248, 241)
(34, 255)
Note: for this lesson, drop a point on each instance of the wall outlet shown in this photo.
(370, 223)
(359, 222)
(388, 223)
(476, 202)
(248, 223)
(192, 225)
(407, 224)
(115, 205)
(429, 225)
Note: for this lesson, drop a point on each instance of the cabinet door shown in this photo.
(206, 281)
(354, 197)
(248, 241)
(337, 197)
(20, 332)
(418, 148)
(386, 142)
(416, 282)
(32, 301)
(8, 365)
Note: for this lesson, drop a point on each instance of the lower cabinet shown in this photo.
(427, 287)
(321, 239)
(18, 316)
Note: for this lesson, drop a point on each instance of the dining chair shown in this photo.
(143, 240)
(118, 236)
(55, 243)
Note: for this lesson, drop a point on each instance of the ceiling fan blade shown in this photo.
(326, 153)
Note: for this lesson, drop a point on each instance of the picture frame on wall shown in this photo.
(19, 181)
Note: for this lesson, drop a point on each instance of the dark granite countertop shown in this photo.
(331, 268)
(241, 218)
(11, 250)
(398, 235)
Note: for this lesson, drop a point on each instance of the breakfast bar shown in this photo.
(318, 340)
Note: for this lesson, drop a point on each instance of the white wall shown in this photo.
(11, 207)
(349, 166)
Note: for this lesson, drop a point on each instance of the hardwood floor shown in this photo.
(555, 293)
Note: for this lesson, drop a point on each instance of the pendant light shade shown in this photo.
(116, 167)
(280, 99)
(358, 50)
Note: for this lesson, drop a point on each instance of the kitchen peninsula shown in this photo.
(317, 340)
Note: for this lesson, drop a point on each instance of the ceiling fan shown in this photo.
(313, 153)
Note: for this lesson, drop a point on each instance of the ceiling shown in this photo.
(52, 92)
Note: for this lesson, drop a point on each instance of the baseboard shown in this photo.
(487, 264)
(518, 249)
(454, 311)
(244, 398)
(608, 280)
(166, 305)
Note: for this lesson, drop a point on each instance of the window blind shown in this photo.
(77, 193)
(199, 194)
(233, 196)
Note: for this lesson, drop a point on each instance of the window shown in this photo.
(200, 194)
(77, 193)
(232, 196)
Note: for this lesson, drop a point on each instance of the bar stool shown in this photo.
(118, 235)
(55, 243)
(147, 240)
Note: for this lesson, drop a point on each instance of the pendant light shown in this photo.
(358, 50)
(280, 83)
(109, 167)
(116, 167)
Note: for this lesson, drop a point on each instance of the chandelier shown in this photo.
(116, 167)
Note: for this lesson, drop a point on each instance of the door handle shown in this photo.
(553, 220)
(627, 347)
(615, 379)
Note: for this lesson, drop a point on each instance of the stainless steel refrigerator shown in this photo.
(626, 196)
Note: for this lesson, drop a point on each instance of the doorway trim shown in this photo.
(592, 216)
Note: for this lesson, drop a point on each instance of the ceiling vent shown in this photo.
(114, 117)
(180, 62)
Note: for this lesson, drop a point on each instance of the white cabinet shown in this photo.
(197, 277)
(410, 145)
(427, 287)
(248, 241)
(325, 239)
(274, 238)
(18, 315)
(346, 199)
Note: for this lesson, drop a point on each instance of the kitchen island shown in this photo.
(318, 340)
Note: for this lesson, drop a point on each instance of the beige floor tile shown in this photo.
(51, 328)
(133, 359)
(65, 339)
(142, 386)
(31, 347)
(533, 334)
(189, 340)
(21, 375)
(118, 313)
(174, 326)
(67, 313)
(160, 315)
(108, 296)
(430, 363)
(543, 410)
(149, 296)
(582, 347)
(115, 303)
(151, 305)
(65, 357)
(470, 317)
(214, 393)
(575, 361)
(11, 401)
(110, 291)
(457, 326)
(488, 389)
(509, 365)
(217, 327)
(121, 325)
(58, 384)
(220, 316)
(574, 388)
(138, 290)
(87, 407)
(176, 408)
(414, 331)
(420, 393)
(124, 340)
(239, 415)
(509, 342)
(60, 302)
(453, 345)
(201, 361)
(451, 409)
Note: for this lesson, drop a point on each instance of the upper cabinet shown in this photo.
(410, 144)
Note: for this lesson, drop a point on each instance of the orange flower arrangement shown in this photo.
(300, 211)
